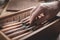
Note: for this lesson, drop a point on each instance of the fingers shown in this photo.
(37, 12)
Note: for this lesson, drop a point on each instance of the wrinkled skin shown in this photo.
(45, 11)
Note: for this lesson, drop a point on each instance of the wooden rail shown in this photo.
(18, 16)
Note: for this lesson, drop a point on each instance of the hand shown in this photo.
(43, 13)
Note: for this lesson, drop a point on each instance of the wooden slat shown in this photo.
(6, 29)
(21, 11)
(3, 36)
(9, 28)
(19, 32)
(10, 25)
(15, 23)
(14, 30)
(21, 36)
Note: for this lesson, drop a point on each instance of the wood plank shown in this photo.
(11, 14)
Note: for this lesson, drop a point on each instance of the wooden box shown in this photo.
(12, 22)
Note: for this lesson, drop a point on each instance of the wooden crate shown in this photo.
(13, 20)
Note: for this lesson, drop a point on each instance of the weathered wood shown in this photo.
(3, 36)
(28, 34)
(19, 12)
(19, 32)
(5, 7)
(15, 17)
(14, 30)
(5, 26)
(6, 29)
(21, 36)
(52, 25)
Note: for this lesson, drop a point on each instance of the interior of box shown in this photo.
(15, 26)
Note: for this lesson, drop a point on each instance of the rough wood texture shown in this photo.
(15, 16)
(7, 31)
(3, 36)
(24, 34)
(47, 31)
